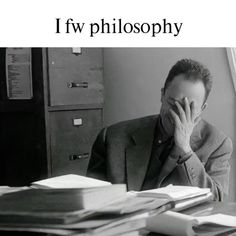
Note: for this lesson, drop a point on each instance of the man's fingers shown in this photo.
(175, 117)
(187, 109)
(197, 120)
(193, 111)
(182, 114)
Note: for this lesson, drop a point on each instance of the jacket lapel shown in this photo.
(138, 155)
(166, 169)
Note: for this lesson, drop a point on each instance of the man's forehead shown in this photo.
(180, 88)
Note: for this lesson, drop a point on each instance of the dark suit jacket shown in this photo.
(122, 151)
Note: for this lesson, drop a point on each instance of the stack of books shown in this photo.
(77, 205)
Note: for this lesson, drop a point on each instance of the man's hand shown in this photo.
(184, 124)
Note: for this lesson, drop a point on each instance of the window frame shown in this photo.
(231, 54)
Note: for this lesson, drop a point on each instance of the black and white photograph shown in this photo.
(117, 141)
(117, 118)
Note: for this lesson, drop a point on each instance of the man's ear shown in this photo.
(198, 118)
(204, 106)
(162, 94)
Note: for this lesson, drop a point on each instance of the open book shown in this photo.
(175, 223)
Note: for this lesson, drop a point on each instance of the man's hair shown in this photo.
(193, 71)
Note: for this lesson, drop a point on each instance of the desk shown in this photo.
(200, 210)
(208, 208)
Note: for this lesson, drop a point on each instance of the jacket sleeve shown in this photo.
(97, 163)
(213, 174)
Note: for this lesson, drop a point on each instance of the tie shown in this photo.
(160, 152)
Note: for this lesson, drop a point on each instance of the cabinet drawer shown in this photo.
(75, 78)
(72, 136)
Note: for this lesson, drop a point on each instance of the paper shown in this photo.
(171, 223)
(131, 204)
(70, 181)
(19, 73)
(186, 203)
(7, 189)
(174, 223)
(220, 219)
(175, 192)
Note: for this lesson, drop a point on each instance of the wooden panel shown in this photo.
(84, 70)
(69, 142)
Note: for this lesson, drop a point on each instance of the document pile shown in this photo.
(182, 196)
(175, 223)
(172, 222)
(77, 205)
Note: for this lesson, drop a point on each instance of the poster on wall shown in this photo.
(19, 73)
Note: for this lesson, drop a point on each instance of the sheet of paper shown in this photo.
(171, 223)
(220, 219)
(7, 189)
(19, 73)
(186, 203)
(175, 223)
(175, 192)
(70, 181)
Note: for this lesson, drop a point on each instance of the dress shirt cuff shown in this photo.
(184, 157)
(180, 156)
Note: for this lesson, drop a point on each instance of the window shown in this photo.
(231, 53)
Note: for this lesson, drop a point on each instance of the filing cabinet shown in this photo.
(71, 143)
(74, 108)
(75, 78)
(52, 132)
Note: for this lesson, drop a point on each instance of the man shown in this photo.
(175, 147)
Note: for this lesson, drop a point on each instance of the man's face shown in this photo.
(177, 90)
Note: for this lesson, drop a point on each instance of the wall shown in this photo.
(134, 78)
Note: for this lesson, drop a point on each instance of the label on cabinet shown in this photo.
(18, 73)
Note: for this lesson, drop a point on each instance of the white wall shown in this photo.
(134, 78)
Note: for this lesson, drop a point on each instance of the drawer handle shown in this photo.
(82, 156)
(77, 85)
